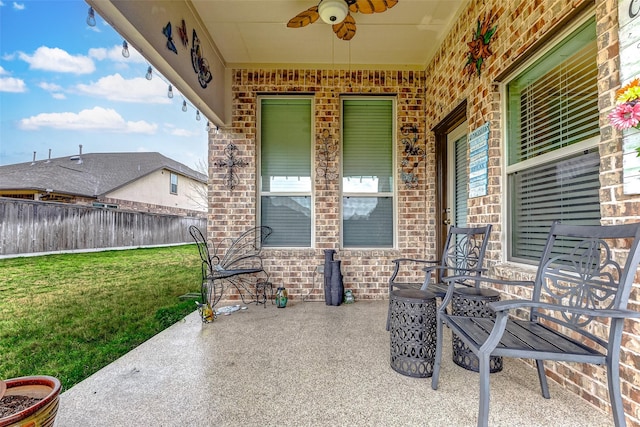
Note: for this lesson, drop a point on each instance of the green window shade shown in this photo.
(285, 145)
(461, 196)
(367, 145)
(367, 167)
(285, 170)
(290, 219)
(367, 222)
(566, 190)
(554, 103)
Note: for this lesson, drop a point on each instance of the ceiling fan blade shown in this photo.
(372, 6)
(346, 29)
(304, 18)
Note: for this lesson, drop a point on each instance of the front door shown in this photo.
(451, 172)
(457, 177)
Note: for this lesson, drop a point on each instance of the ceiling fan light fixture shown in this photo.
(333, 11)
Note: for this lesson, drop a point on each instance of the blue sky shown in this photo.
(64, 83)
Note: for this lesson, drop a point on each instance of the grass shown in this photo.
(69, 315)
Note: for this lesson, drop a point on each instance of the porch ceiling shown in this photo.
(255, 32)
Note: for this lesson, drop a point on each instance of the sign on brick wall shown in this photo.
(629, 34)
(478, 161)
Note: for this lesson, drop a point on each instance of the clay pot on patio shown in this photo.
(41, 413)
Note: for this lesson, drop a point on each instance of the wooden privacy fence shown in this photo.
(30, 226)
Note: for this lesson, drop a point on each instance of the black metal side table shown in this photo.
(413, 332)
(472, 302)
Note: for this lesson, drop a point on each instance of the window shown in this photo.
(552, 160)
(285, 170)
(174, 183)
(367, 172)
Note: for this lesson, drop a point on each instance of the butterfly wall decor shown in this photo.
(167, 32)
(199, 63)
(182, 32)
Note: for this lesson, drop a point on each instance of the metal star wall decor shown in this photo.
(231, 163)
(413, 155)
(479, 49)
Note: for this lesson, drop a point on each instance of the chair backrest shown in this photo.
(203, 250)
(244, 251)
(577, 269)
(464, 249)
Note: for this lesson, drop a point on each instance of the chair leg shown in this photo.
(438, 357)
(484, 365)
(389, 313)
(613, 381)
(544, 385)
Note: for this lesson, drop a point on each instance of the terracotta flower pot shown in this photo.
(42, 413)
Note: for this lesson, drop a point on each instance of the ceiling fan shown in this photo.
(338, 14)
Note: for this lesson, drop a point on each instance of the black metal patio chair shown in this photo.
(463, 253)
(577, 282)
(241, 266)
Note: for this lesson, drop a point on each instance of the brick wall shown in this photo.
(424, 99)
(365, 271)
(523, 27)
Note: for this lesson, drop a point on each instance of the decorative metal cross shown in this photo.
(231, 163)
(327, 155)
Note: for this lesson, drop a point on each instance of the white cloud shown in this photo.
(117, 88)
(58, 96)
(115, 54)
(50, 87)
(11, 84)
(18, 6)
(183, 132)
(98, 119)
(56, 59)
(3, 71)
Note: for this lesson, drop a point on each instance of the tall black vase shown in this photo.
(337, 286)
(328, 259)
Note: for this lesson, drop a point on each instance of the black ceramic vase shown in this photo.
(328, 259)
(337, 286)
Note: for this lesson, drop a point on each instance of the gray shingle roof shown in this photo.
(96, 175)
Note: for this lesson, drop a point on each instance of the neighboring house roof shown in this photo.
(91, 174)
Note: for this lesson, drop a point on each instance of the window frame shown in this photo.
(394, 172)
(546, 158)
(171, 184)
(260, 193)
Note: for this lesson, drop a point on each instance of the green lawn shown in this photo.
(69, 315)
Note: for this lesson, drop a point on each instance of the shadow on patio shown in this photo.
(307, 364)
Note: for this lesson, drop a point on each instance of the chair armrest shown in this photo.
(499, 306)
(478, 279)
(404, 261)
(429, 271)
(419, 261)
(490, 280)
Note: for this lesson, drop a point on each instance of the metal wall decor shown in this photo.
(413, 155)
(200, 63)
(231, 162)
(479, 49)
(167, 33)
(328, 149)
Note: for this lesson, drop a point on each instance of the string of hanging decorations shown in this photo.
(91, 21)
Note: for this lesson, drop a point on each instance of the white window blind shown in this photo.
(553, 105)
(367, 172)
(285, 170)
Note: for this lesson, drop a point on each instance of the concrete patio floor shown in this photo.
(308, 364)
